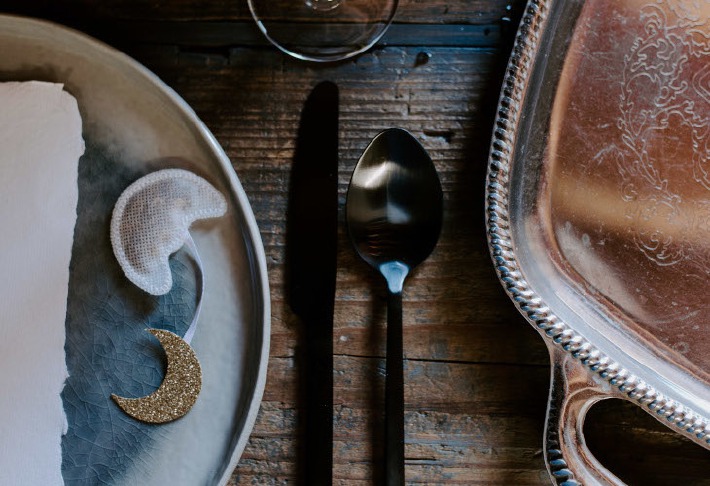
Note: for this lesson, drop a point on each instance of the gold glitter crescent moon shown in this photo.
(178, 392)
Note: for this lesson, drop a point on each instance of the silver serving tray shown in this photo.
(134, 124)
(598, 210)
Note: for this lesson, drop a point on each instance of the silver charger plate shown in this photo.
(598, 210)
(134, 124)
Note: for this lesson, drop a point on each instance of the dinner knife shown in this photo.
(311, 242)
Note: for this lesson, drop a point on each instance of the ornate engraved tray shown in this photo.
(598, 210)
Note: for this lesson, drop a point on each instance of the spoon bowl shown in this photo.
(394, 211)
(394, 202)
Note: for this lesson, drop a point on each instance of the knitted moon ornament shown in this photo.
(151, 219)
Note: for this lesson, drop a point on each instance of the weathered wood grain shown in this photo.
(450, 408)
(454, 406)
(640, 450)
(410, 11)
(476, 373)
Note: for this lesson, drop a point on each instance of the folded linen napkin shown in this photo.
(40, 146)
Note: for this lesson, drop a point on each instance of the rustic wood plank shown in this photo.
(640, 450)
(443, 442)
(200, 35)
(409, 11)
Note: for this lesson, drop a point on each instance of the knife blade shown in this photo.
(311, 259)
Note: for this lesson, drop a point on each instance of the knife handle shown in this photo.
(318, 453)
(394, 393)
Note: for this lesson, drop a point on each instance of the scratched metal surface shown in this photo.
(611, 186)
(629, 155)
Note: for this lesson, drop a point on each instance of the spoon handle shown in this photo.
(394, 393)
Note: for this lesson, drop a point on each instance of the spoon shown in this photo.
(394, 210)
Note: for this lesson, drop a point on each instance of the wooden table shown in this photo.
(476, 373)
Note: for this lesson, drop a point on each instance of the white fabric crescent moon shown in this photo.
(151, 219)
(179, 390)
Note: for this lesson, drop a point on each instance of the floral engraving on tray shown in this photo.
(531, 304)
(665, 113)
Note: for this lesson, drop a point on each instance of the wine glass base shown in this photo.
(323, 30)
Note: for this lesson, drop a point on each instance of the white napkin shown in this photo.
(40, 146)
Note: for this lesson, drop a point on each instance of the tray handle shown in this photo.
(572, 393)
